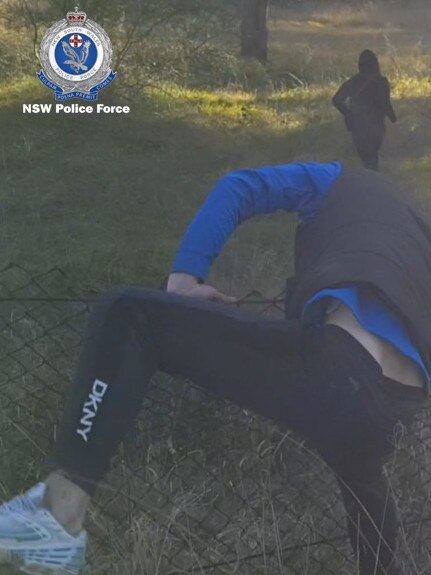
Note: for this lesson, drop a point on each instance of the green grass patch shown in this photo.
(108, 198)
(26, 89)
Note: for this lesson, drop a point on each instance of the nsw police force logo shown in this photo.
(76, 56)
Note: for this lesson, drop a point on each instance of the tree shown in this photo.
(254, 31)
(153, 39)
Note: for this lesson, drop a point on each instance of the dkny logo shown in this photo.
(90, 408)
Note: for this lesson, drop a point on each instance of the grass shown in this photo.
(69, 201)
(107, 200)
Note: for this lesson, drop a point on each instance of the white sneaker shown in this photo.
(31, 538)
(30, 500)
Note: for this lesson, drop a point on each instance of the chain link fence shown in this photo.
(199, 486)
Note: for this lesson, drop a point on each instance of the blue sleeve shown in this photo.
(243, 194)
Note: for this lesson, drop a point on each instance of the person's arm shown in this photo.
(340, 97)
(339, 101)
(237, 197)
(385, 100)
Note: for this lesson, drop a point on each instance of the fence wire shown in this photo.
(199, 485)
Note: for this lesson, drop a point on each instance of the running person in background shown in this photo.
(347, 368)
(364, 101)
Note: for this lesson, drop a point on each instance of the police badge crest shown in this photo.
(76, 55)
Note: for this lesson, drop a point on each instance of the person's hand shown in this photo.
(188, 285)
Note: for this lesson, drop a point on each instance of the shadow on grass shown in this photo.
(107, 198)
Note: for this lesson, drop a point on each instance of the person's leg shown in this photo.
(131, 334)
(319, 382)
(368, 139)
(371, 149)
(66, 501)
(359, 422)
(366, 150)
(359, 141)
(372, 517)
(370, 157)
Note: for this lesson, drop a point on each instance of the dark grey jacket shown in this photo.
(366, 234)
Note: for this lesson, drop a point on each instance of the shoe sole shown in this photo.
(6, 557)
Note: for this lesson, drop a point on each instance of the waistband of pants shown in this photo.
(392, 386)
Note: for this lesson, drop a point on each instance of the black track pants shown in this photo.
(319, 382)
(368, 139)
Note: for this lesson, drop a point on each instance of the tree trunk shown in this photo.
(254, 33)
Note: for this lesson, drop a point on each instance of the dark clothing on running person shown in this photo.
(364, 101)
(313, 378)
